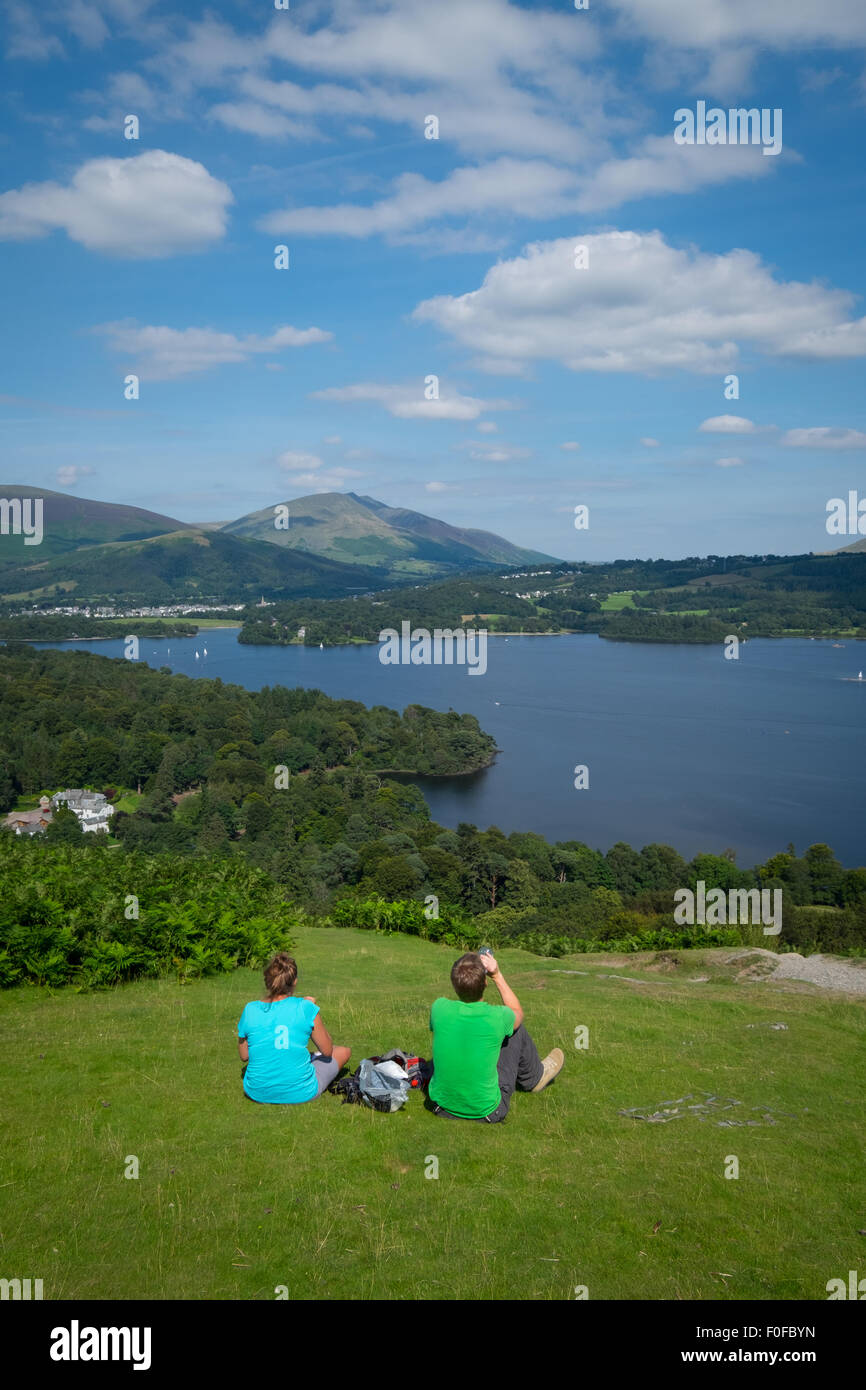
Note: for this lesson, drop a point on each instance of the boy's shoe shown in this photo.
(552, 1064)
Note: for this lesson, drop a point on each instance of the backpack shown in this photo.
(383, 1083)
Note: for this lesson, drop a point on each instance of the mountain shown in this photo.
(184, 565)
(336, 545)
(71, 522)
(350, 528)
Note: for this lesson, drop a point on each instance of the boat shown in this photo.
(204, 651)
(321, 646)
(196, 656)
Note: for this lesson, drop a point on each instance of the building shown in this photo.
(91, 808)
(30, 822)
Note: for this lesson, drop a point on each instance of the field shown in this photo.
(233, 1200)
(144, 623)
(615, 602)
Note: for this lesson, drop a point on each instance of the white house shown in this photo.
(93, 811)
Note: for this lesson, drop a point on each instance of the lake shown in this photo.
(681, 745)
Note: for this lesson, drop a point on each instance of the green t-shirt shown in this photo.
(466, 1043)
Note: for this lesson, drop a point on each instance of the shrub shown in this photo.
(63, 915)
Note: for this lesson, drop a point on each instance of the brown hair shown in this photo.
(280, 975)
(469, 977)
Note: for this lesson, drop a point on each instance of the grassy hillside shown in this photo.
(350, 528)
(69, 522)
(191, 564)
(234, 1199)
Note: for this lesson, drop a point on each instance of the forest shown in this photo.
(293, 786)
(61, 627)
(695, 600)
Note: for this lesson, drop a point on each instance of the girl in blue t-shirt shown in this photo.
(273, 1034)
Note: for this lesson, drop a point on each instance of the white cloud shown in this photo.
(780, 24)
(294, 462)
(487, 427)
(494, 451)
(150, 205)
(86, 23)
(441, 487)
(509, 187)
(332, 439)
(729, 463)
(824, 437)
(503, 187)
(27, 38)
(253, 119)
(660, 166)
(70, 473)
(649, 443)
(331, 480)
(410, 403)
(570, 446)
(643, 306)
(161, 354)
(728, 424)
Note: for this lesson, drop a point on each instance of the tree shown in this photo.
(64, 829)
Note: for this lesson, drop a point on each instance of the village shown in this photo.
(92, 810)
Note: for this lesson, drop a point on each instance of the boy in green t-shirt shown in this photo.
(481, 1052)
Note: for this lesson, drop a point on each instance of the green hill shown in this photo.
(188, 564)
(360, 530)
(69, 522)
(233, 1200)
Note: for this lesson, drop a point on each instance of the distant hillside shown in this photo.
(70, 522)
(337, 544)
(856, 546)
(361, 530)
(186, 564)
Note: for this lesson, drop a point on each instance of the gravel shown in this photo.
(828, 972)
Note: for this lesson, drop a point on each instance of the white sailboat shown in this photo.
(196, 656)
(321, 646)
(204, 651)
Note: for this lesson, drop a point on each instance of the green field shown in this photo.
(194, 622)
(614, 602)
(332, 1201)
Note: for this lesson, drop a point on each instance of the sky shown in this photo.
(511, 289)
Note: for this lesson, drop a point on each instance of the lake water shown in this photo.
(682, 746)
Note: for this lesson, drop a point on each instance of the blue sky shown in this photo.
(453, 257)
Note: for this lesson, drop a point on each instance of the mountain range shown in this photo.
(326, 545)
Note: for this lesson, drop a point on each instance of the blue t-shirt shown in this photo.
(280, 1069)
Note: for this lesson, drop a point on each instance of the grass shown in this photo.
(615, 602)
(332, 1201)
(127, 801)
(145, 623)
